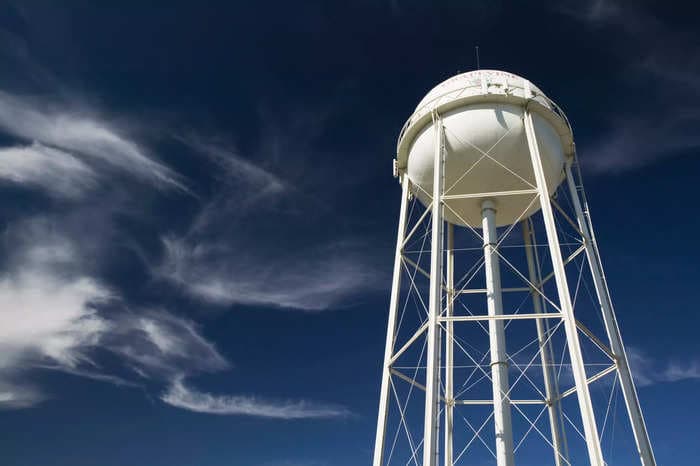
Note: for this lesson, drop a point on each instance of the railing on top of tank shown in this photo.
(457, 93)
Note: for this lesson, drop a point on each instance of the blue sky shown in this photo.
(198, 212)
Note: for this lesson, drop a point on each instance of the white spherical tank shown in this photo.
(486, 150)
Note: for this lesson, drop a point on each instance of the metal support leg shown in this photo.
(391, 330)
(550, 381)
(497, 339)
(641, 436)
(595, 453)
(432, 384)
(449, 349)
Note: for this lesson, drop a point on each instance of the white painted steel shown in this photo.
(474, 153)
(589, 380)
(521, 316)
(410, 341)
(432, 370)
(595, 453)
(391, 330)
(497, 340)
(487, 151)
(449, 348)
(634, 410)
(551, 388)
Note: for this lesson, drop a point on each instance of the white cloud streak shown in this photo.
(236, 253)
(159, 345)
(55, 316)
(182, 396)
(635, 142)
(658, 61)
(53, 170)
(317, 279)
(80, 134)
(52, 317)
(649, 371)
(18, 395)
(235, 168)
(46, 317)
(58, 328)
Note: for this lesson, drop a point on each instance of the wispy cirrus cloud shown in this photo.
(235, 252)
(182, 396)
(47, 316)
(57, 311)
(234, 168)
(15, 395)
(55, 315)
(649, 371)
(78, 134)
(53, 170)
(634, 142)
(159, 345)
(661, 64)
(50, 122)
(321, 277)
(47, 310)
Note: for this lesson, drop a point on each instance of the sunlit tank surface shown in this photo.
(486, 146)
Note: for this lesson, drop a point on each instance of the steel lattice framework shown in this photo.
(525, 309)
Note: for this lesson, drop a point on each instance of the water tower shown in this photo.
(502, 344)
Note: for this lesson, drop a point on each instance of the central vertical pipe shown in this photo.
(497, 339)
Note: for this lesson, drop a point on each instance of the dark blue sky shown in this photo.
(198, 212)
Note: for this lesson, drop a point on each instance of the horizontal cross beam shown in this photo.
(518, 192)
(540, 315)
